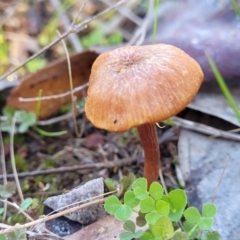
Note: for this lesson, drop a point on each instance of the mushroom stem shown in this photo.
(149, 141)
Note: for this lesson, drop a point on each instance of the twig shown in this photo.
(59, 118)
(52, 120)
(5, 226)
(33, 235)
(35, 99)
(79, 12)
(140, 34)
(4, 171)
(62, 213)
(72, 168)
(73, 38)
(73, 29)
(13, 158)
(126, 13)
(73, 98)
(18, 208)
(3, 162)
(202, 128)
(2, 225)
(47, 218)
(162, 181)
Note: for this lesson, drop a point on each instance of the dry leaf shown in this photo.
(217, 104)
(107, 228)
(52, 80)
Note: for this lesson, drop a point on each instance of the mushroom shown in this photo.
(137, 86)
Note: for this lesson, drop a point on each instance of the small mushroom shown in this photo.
(137, 86)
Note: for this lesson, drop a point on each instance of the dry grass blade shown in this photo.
(73, 38)
(53, 216)
(140, 34)
(202, 128)
(18, 209)
(35, 99)
(73, 98)
(73, 29)
(65, 169)
(4, 171)
(13, 158)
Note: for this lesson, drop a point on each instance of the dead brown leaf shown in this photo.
(53, 80)
(107, 228)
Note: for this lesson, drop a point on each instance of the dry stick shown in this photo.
(73, 98)
(34, 99)
(18, 208)
(59, 118)
(234, 130)
(79, 12)
(5, 226)
(73, 38)
(72, 168)
(202, 128)
(140, 34)
(126, 12)
(55, 119)
(37, 54)
(47, 218)
(13, 159)
(3, 162)
(73, 29)
(4, 172)
(64, 212)
(162, 181)
(2, 225)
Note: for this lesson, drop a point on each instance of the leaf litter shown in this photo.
(201, 157)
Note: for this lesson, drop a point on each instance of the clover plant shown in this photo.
(160, 215)
(24, 121)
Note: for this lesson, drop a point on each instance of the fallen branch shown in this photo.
(47, 218)
(202, 128)
(118, 163)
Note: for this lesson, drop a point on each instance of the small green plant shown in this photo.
(20, 235)
(235, 7)
(36, 64)
(160, 215)
(24, 121)
(3, 51)
(223, 86)
(29, 204)
(98, 36)
(155, 22)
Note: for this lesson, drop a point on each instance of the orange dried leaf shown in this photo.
(53, 80)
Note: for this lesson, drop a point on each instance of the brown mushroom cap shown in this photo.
(134, 85)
